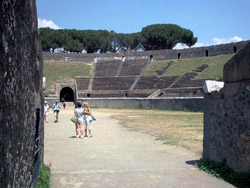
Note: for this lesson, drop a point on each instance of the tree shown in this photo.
(158, 36)
(165, 36)
(188, 38)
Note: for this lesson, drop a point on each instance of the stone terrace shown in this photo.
(187, 80)
(154, 82)
(82, 83)
(107, 68)
(133, 67)
(112, 83)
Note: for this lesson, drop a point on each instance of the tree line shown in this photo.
(152, 37)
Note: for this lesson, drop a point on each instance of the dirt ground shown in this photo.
(116, 157)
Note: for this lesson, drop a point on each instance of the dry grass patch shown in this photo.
(179, 128)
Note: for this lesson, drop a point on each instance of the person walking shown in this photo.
(56, 108)
(79, 125)
(87, 119)
(46, 111)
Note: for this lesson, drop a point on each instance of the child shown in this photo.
(87, 119)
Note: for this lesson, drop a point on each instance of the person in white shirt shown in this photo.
(79, 125)
(46, 111)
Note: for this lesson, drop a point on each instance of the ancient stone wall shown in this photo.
(171, 103)
(227, 116)
(21, 113)
(157, 54)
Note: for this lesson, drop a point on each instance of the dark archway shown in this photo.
(179, 55)
(151, 58)
(67, 94)
(206, 53)
(235, 49)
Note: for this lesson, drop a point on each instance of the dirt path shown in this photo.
(116, 157)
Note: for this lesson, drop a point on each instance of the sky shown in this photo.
(212, 21)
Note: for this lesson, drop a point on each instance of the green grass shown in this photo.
(44, 177)
(58, 71)
(222, 171)
(180, 67)
(215, 69)
(156, 65)
(188, 65)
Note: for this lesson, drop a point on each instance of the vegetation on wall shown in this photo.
(158, 36)
(222, 171)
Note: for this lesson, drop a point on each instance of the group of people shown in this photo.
(56, 110)
(83, 116)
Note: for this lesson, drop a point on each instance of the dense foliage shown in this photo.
(159, 36)
(44, 177)
(166, 36)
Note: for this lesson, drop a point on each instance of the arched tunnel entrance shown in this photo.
(67, 94)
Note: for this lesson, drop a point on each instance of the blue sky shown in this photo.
(212, 21)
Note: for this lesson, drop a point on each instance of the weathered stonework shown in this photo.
(21, 112)
(238, 68)
(156, 54)
(227, 116)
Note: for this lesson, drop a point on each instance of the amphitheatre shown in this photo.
(150, 74)
(157, 120)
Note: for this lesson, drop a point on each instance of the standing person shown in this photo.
(56, 108)
(79, 125)
(87, 119)
(46, 111)
(64, 104)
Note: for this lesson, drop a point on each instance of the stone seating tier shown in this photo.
(82, 83)
(133, 67)
(112, 83)
(107, 68)
(154, 82)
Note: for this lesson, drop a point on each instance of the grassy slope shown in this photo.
(215, 69)
(55, 71)
(156, 65)
(180, 67)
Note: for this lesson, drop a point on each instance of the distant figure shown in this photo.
(64, 104)
(87, 119)
(79, 125)
(46, 111)
(56, 108)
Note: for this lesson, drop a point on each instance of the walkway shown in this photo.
(116, 157)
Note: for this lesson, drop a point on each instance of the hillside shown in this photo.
(58, 71)
(180, 67)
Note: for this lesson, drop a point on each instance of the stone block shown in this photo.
(211, 85)
(238, 68)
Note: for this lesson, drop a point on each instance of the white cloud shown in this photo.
(199, 44)
(216, 41)
(47, 23)
(180, 46)
(225, 40)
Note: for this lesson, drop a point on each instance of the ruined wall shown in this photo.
(182, 103)
(21, 113)
(227, 116)
(157, 54)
